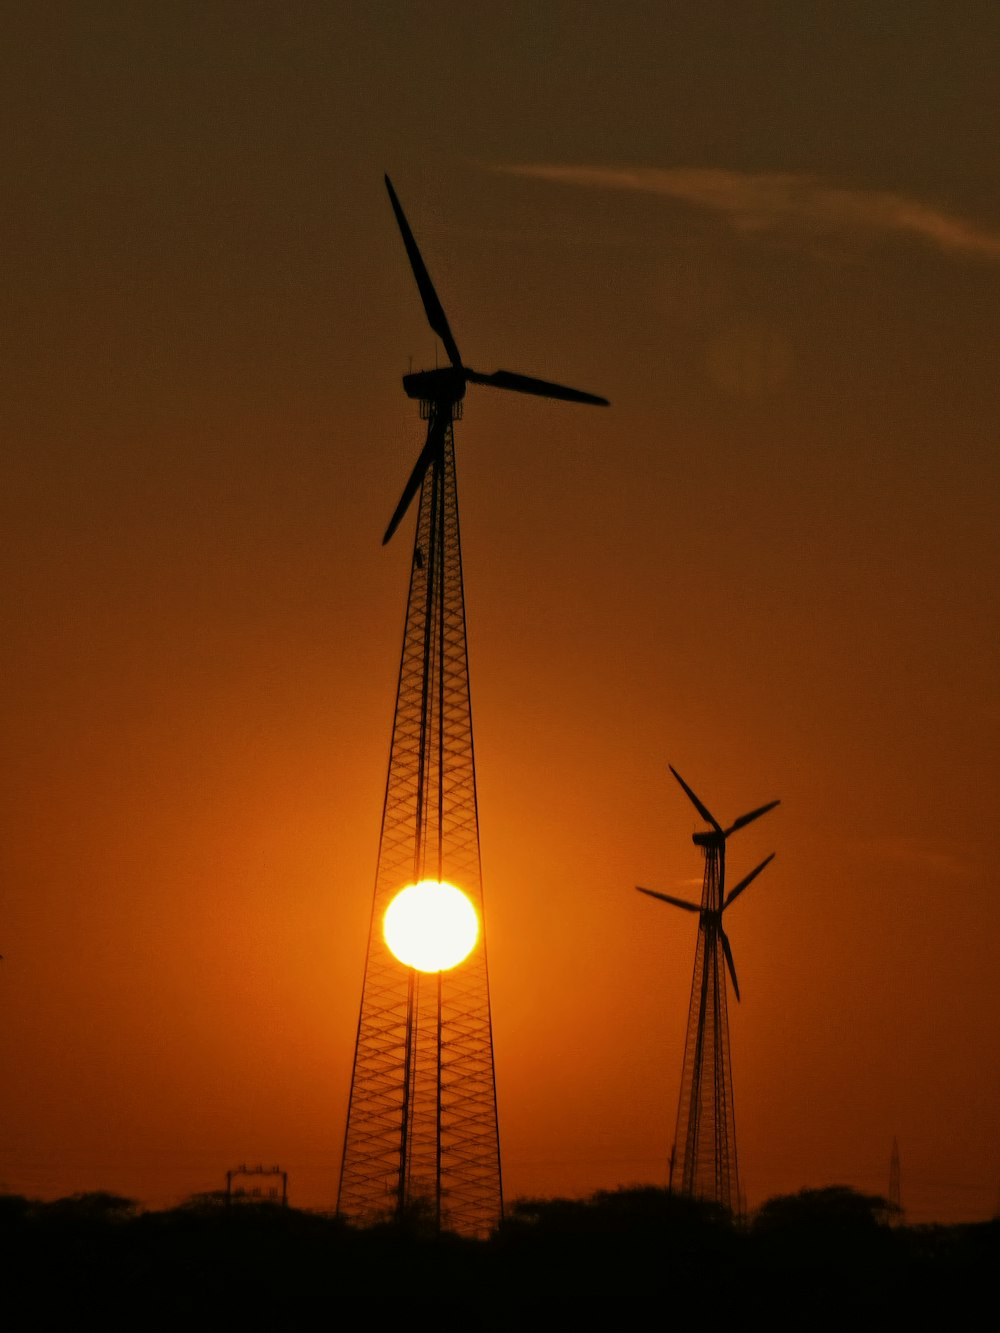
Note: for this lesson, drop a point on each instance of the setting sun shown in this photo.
(431, 926)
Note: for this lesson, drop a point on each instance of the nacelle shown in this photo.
(446, 385)
(708, 839)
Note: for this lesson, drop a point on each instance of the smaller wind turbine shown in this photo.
(714, 843)
(706, 1126)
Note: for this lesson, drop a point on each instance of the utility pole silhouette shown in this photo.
(421, 1140)
(705, 1139)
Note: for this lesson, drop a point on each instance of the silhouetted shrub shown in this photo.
(836, 1213)
(14, 1208)
(818, 1259)
(94, 1207)
(631, 1211)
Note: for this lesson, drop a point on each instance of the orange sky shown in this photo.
(772, 239)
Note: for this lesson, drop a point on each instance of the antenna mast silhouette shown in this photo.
(421, 1135)
(705, 1139)
(895, 1198)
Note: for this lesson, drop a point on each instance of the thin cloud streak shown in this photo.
(921, 855)
(767, 201)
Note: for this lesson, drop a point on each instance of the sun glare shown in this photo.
(430, 926)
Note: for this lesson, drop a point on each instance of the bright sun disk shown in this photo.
(430, 926)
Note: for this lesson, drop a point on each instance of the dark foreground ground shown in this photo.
(643, 1258)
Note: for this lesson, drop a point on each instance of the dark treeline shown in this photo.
(811, 1260)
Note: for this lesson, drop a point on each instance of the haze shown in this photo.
(770, 234)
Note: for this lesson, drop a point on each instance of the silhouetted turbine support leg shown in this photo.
(422, 1130)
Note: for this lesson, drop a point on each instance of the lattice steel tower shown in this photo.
(705, 1139)
(421, 1135)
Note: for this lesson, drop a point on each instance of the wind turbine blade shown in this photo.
(666, 898)
(748, 819)
(702, 810)
(729, 960)
(746, 881)
(507, 379)
(432, 306)
(435, 433)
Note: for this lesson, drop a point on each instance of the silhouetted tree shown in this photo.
(832, 1209)
(818, 1259)
(95, 1206)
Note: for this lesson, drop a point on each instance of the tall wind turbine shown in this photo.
(706, 1127)
(421, 1138)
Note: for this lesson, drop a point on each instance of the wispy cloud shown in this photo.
(921, 855)
(772, 201)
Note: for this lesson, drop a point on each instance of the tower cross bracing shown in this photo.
(422, 1125)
